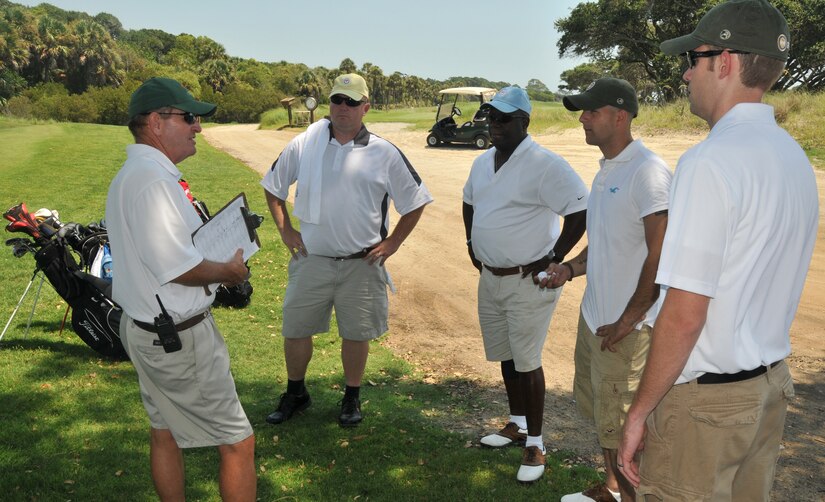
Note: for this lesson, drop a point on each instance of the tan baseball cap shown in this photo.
(350, 84)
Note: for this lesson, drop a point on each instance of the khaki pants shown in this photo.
(716, 442)
(605, 382)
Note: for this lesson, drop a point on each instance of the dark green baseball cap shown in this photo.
(159, 92)
(603, 92)
(747, 25)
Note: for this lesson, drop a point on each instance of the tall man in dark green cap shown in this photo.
(706, 422)
(186, 387)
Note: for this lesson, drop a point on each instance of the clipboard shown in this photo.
(232, 227)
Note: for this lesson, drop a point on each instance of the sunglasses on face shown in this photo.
(692, 56)
(503, 118)
(340, 98)
(188, 117)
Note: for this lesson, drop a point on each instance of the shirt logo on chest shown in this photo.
(614, 189)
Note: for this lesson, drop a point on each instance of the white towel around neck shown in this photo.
(311, 166)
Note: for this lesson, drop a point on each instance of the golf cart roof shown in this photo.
(487, 92)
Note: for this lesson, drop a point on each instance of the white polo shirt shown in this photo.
(628, 187)
(358, 180)
(516, 210)
(741, 230)
(150, 222)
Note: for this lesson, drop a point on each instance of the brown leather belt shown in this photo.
(712, 378)
(537, 266)
(184, 325)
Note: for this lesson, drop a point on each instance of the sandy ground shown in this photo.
(433, 320)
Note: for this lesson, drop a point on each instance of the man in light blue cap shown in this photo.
(512, 202)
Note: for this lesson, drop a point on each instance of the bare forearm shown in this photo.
(405, 226)
(280, 214)
(572, 230)
(645, 295)
(210, 272)
(647, 291)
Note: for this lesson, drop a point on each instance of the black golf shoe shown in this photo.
(290, 403)
(350, 412)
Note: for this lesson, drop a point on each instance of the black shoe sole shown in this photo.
(350, 424)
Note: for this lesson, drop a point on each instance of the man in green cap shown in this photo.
(626, 222)
(706, 422)
(165, 286)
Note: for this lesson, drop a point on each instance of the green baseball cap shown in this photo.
(159, 92)
(747, 25)
(603, 92)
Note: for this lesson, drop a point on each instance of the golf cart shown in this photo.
(475, 131)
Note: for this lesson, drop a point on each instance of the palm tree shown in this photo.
(50, 52)
(94, 59)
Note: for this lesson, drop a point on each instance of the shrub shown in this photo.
(19, 106)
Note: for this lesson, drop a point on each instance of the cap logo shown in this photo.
(619, 101)
(782, 43)
(724, 34)
(345, 80)
(590, 86)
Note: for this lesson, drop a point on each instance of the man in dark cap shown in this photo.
(626, 222)
(165, 286)
(706, 422)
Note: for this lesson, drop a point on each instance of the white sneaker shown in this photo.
(510, 434)
(598, 493)
(532, 465)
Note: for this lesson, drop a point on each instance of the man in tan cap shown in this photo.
(165, 287)
(345, 178)
(706, 422)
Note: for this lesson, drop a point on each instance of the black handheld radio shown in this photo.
(167, 332)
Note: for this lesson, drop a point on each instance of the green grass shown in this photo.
(73, 424)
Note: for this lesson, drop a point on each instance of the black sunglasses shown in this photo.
(340, 98)
(692, 56)
(188, 117)
(503, 118)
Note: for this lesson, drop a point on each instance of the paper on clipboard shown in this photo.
(226, 231)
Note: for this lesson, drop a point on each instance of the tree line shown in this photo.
(68, 65)
(72, 66)
(621, 38)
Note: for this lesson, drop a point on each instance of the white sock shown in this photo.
(535, 441)
(519, 420)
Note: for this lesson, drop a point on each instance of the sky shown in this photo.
(501, 41)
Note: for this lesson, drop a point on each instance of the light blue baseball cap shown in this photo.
(510, 99)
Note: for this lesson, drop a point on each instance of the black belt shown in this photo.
(711, 378)
(192, 321)
(537, 266)
(353, 256)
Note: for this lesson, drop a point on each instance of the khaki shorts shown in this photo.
(190, 392)
(354, 288)
(514, 315)
(605, 382)
(716, 441)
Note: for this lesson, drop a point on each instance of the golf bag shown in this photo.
(237, 296)
(95, 317)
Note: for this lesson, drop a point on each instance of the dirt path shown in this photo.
(433, 320)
